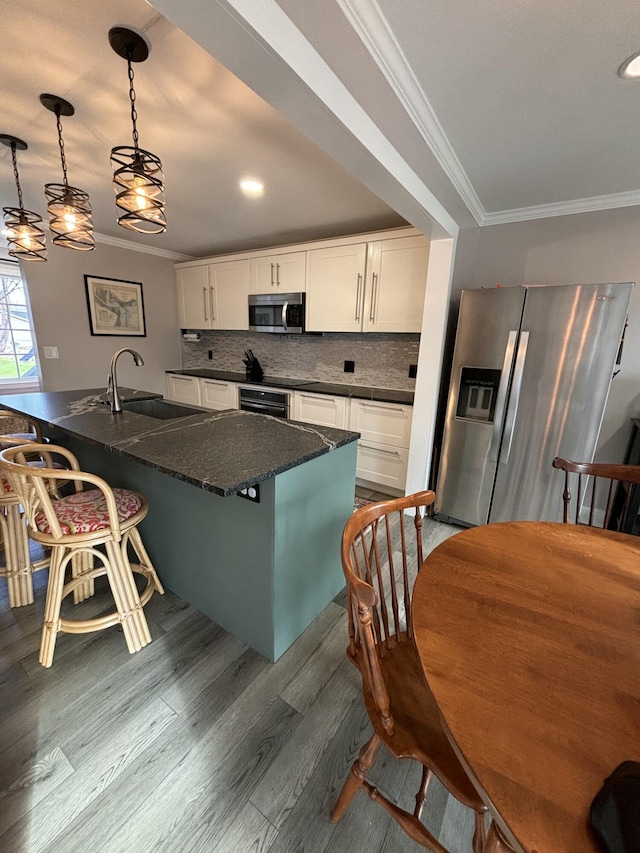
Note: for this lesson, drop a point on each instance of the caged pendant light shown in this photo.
(25, 239)
(138, 179)
(69, 208)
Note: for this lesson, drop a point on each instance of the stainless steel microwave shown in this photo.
(277, 312)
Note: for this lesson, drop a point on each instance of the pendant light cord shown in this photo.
(132, 98)
(15, 174)
(61, 144)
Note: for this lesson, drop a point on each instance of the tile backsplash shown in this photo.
(380, 360)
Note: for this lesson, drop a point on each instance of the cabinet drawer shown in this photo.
(183, 389)
(383, 464)
(218, 395)
(321, 409)
(388, 423)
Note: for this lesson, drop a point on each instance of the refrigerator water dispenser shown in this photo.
(477, 394)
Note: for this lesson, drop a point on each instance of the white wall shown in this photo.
(587, 248)
(59, 309)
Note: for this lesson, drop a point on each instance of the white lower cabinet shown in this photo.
(385, 428)
(383, 449)
(216, 394)
(183, 389)
(383, 465)
(323, 409)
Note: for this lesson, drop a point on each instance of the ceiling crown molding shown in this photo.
(367, 20)
(563, 208)
(119, 243)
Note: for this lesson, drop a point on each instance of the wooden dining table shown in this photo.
(528, 634)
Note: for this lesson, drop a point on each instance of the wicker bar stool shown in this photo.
(18, 565)
(73, 526)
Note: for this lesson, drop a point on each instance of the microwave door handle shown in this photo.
(498, 415)
(514, 400)
(284, 316)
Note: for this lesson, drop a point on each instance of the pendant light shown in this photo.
(26, 240)
(69, 208)
(137, 177)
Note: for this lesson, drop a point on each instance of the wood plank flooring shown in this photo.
(196, 743)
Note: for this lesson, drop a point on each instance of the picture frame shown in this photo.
(115, 306)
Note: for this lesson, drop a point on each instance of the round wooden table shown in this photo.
(529, 636)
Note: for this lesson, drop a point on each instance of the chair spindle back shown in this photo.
(381, 555)
(600, 495)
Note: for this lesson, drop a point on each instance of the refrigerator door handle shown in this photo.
(515, 396)
(501, 399)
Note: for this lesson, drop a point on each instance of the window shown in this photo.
(18, 364)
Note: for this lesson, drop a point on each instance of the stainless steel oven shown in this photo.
(275, 403)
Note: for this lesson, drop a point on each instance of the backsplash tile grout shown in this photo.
(381, 361)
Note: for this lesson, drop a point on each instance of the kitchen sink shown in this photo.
(162, 409)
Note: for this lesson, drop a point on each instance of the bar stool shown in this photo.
(73, 527)
(17, 429)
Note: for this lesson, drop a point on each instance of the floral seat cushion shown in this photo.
(86, 512)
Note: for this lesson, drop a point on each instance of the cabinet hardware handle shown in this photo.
(185, 378)
(374, 297)
(380, 449)
(204, 296)
(213, 302)
(357, 316)
(271, 275)
(382, 408)
(277, 275)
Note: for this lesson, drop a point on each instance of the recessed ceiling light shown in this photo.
(630, 68)
(252, 187)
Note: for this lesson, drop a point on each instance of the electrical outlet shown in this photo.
(210, 354)
(252, 493)
(413, 370)
(349, 366)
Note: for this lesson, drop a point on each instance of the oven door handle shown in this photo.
(284, 316)
(260, 407)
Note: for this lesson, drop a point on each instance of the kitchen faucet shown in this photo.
(113, 395)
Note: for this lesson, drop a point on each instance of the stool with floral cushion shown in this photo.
(18, 566)
(73, 526)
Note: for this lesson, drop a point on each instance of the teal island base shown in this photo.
(262, 570)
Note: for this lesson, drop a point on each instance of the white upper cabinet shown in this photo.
(353, 284)
(335, 288)
(285, 273)
(368, 287)
(396, 284)
(214, 296)
(229, 284)
(194, 306)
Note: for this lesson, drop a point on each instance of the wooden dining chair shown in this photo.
(601, 495)
(73, 527)
(381, 554)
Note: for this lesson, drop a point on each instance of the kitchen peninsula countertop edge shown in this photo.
(219, 451)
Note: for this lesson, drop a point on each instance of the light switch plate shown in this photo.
(51, 352)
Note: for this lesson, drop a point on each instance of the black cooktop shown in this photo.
(279, 382)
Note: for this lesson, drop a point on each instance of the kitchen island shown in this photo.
(246, 510)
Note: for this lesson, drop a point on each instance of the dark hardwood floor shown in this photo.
(195, 743)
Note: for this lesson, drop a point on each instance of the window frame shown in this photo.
(21, 384)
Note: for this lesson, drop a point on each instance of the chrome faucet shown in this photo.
(113, 395)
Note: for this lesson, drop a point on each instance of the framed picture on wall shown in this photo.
(115, 306)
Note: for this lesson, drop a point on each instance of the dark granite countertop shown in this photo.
(361, 392)
(220, 452)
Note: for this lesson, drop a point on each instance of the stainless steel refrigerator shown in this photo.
(531, 373)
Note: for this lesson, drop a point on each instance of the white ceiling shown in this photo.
(515, 105)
